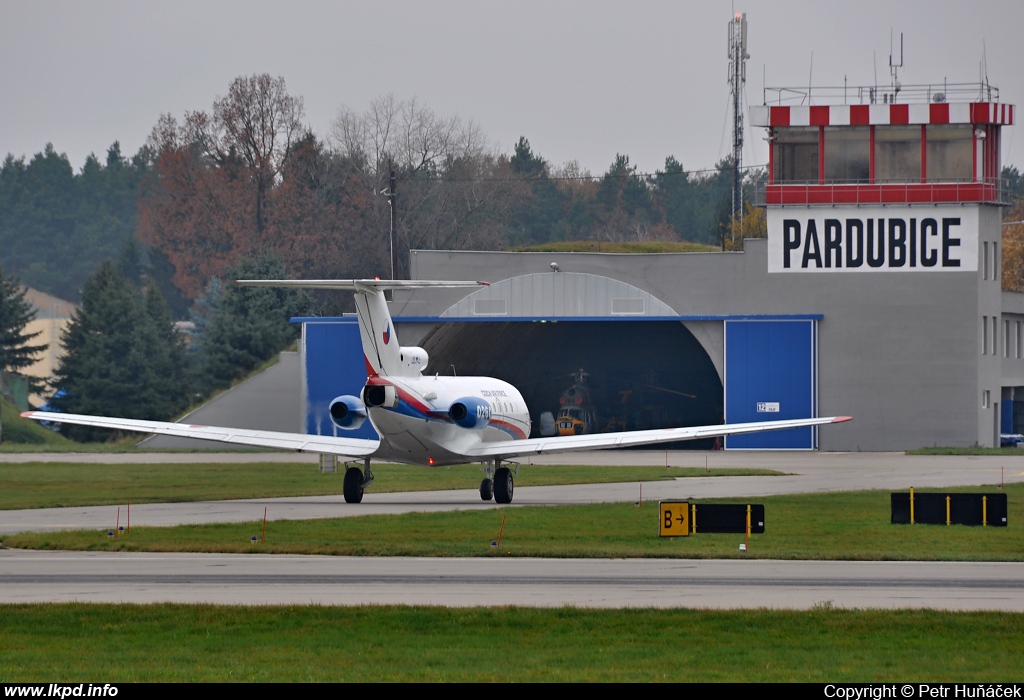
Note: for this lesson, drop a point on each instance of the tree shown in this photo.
(753, 224)
(122, 356)
(624, 207)
(259, 122)
(16, 351)
(539, 208)
(56, 226)
(671, 191)
(1013, 182)
(246, 326)
(1013, 248)
(454, 191)
(250, 180)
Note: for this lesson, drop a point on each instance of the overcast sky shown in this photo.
(582, 80)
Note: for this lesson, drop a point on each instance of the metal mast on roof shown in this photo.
(737, 80)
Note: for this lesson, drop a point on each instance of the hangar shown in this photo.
(876, 294)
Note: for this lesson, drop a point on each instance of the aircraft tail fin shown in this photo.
(381, 348)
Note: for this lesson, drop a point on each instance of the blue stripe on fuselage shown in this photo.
(405, 408)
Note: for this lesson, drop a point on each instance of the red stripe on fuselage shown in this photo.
(408, 397)
(516, 431)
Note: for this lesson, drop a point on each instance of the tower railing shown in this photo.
(881, 94)
(988, 191)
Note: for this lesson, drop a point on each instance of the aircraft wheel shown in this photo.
(503, 485)
(353, 485)
(486, 490)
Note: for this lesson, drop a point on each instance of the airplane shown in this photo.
(421, 419)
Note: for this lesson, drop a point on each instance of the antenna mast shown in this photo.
(894, 68)
(737, 80)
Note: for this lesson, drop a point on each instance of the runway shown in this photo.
(27, 577)
(260, 579)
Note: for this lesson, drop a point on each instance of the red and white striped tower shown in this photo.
(902, 181)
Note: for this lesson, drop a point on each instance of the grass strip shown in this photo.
(55, 484)
(135, 643)
(849, 525)
(969, 451)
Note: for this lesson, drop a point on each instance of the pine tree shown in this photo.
(16, 352)
(123, 356)
(246, 326)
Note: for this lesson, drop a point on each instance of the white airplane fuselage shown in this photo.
(419, 428)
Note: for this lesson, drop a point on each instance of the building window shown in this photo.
(949, 152)
(897, 154)
(995, 261)
(847, 153)
(985, 400)
(984, 261)
(795, 154)
(984, 335)
(1006, 338)
(995, 335)
(1018, 343)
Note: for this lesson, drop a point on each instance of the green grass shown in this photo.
(851, 525)
(619, 247)
(55, 484)
(968, 451)
(20, 432)
(147, 643)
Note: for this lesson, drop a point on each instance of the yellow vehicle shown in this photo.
(576, 413)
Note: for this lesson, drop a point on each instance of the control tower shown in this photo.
(898, 189)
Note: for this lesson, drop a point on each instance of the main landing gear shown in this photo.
(498, 483)
(356, 481)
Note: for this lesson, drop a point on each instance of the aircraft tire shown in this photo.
(486, 490)
(353, 485)
(503, 485)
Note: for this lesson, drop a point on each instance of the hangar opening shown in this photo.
(632, 375)
(624, 357)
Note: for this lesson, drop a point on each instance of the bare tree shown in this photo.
(258, 122)
(454, 190)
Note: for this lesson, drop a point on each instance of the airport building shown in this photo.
(875, 295)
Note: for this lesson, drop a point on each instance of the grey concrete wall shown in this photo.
(898, 351)
(271, 400)
(990, 364)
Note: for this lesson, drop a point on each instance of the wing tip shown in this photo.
(841, 419)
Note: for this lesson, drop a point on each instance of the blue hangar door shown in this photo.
(333, 365)
(771, 374)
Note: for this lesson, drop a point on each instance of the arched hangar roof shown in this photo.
(559, 295)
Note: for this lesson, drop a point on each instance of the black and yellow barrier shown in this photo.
(985, 509)
(679, 518)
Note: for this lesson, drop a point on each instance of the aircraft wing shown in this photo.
(324, 444)
(576, 443)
